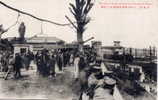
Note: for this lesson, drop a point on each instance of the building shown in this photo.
(110, 50)
(36, 43)
(40, 42)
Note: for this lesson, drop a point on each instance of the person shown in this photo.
(82, 63)
(92, 80)
(11, 63)
(60, 61)
(76, 66)
(31, 58)
(26, 61)
(37, 60)
(18, 65)
(81, 79)
(22, 55)
(44, 63)
(100, 88)
(52, 66)
(4, 62)
(71, 59)
(64, 59)
(104, 91)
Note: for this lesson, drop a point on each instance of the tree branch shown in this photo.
(28, 14)
(71, 22)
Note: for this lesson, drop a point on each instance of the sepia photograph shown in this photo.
(78, 49)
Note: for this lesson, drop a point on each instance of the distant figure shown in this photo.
(71, 59)
(26, 61)
(60, 61)
(31, 58)
(11, 62)
(44, 63)
(4, 62)
(18, 65)
(64, 59)
(52, 66)
(38, 58)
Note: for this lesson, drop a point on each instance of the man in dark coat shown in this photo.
(60, 61)
(52, 65)
(18, 65)
(38, 61)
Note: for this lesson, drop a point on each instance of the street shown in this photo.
(33, 86)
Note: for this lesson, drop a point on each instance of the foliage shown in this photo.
(80, 12)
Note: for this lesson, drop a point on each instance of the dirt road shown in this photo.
(31, 85)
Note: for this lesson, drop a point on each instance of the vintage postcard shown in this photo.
(78, 49)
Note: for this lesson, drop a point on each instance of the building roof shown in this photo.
(37, 39)
(43, 39)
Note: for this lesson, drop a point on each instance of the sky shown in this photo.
(134, 27)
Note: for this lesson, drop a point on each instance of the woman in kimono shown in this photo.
(76, 66)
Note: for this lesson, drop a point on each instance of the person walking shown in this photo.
(18, 65)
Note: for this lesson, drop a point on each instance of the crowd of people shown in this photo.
(4, 60)
(45, 60)
(11, 63)
(88, 69)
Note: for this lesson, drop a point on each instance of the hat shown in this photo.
(108, 72)
(109, 81)
(95, 69)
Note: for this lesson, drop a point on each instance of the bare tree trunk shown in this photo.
(80, 10)
(79, 37)
(80, 41)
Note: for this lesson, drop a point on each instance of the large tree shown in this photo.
(80, 10)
